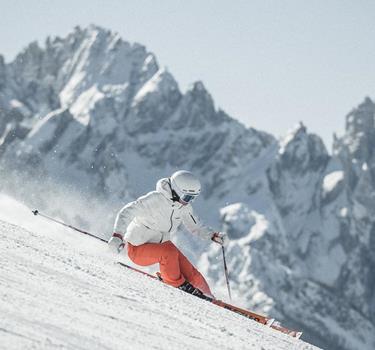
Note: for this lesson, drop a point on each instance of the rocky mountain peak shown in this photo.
(198, 86)
(361, 119)
(154, 103)
(160, 83)
(68, 67)
(358, 143)
(198, 92)
(197, 107)
(296, 133)
(302, 151)
(301, 159)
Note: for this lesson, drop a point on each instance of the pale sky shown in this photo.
(268, 63)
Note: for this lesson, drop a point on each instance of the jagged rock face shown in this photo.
(93, 112)
(356, 149)
(308, 257)
(298, 166)
(359, 139)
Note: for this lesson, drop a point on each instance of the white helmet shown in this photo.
(185, 186)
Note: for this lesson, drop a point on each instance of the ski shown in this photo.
(270, 322)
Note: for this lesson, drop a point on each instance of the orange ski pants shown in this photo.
(175, 268)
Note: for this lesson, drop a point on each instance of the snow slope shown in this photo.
(63, 290)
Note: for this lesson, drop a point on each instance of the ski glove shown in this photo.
(218, 237)
(116, 243)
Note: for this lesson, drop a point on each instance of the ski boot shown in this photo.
(189, 288)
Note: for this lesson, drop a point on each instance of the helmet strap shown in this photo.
(175, 196)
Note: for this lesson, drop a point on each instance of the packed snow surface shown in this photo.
(61, 289)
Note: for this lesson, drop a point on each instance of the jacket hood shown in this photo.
(163, 187)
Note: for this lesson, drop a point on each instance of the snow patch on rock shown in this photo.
(332, 180)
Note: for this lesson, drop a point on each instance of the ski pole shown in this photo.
(36, 212)
(226, 273)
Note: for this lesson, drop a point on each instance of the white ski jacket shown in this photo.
(153, 217)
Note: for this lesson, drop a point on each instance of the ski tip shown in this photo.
(298, 335)
(295, 334)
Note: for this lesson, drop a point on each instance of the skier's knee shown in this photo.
(169, 251)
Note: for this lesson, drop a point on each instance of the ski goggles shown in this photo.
(187, 198)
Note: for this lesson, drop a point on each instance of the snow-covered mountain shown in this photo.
(89, 121)
(97, 112)
(309, 259)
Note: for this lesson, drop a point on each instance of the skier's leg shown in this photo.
(192, 275)
(166, 254)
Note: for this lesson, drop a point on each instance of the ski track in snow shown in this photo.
(63, 290)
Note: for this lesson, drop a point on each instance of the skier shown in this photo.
(146, 225)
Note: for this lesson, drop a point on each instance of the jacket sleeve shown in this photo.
(126, 215)
(193, 224)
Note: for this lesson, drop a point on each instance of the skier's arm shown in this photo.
(123, 219)
(193, 224)
(126, 215)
